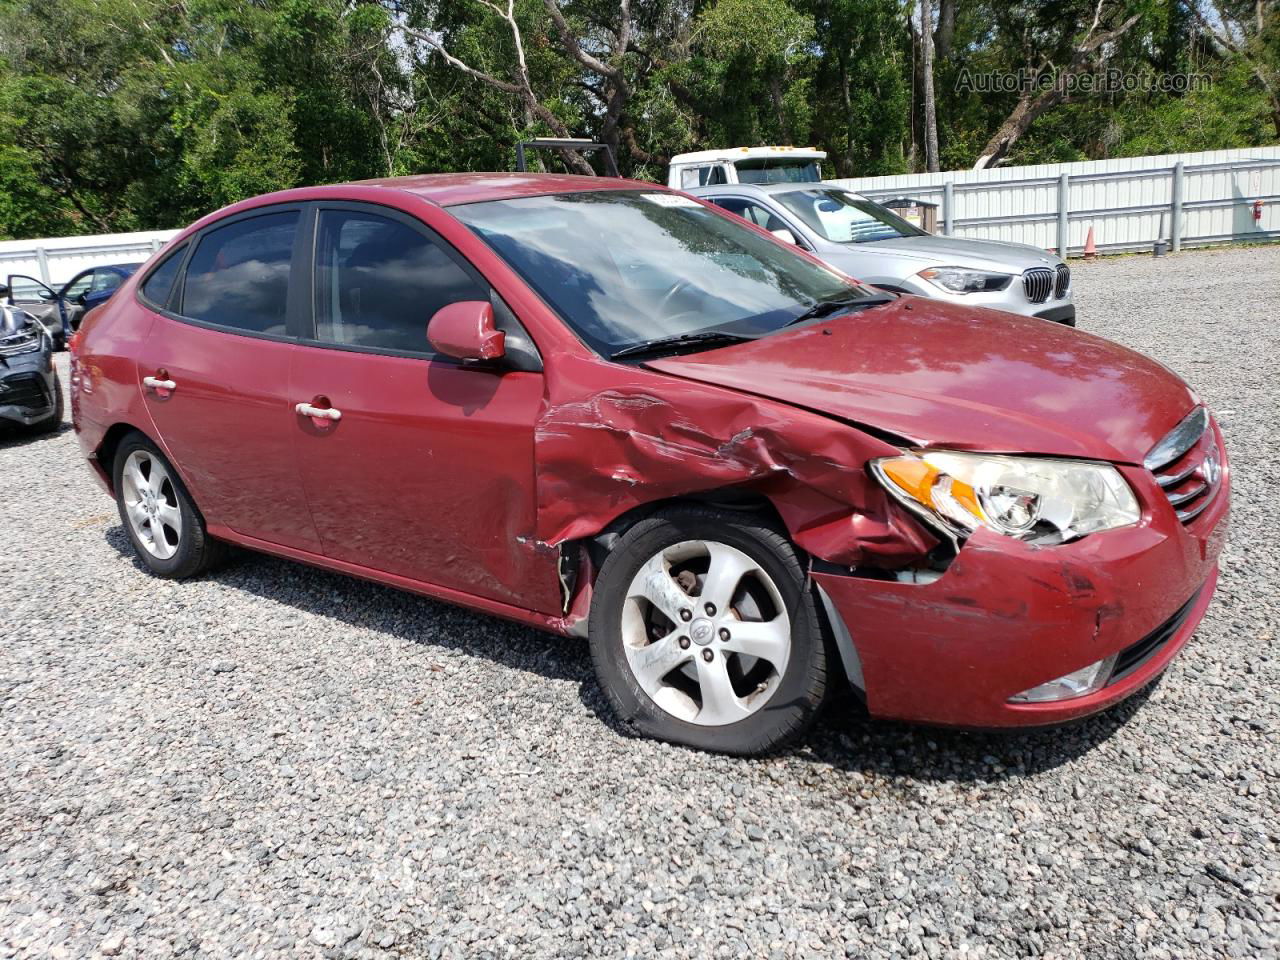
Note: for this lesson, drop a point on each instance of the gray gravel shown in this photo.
(278, 761)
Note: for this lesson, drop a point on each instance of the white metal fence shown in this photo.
(56, 260)
(1189, 199)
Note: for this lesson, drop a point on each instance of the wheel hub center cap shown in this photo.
(701, 631)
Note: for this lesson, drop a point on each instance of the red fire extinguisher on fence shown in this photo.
(1257, 211)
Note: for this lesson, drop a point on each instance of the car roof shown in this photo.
(750, 153)
(447, 189)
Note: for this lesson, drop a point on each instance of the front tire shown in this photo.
(166, 530)
(703, 633)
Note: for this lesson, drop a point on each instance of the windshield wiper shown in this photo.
(700, 338)
(824, 308)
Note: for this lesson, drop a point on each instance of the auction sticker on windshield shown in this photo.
(671, 200)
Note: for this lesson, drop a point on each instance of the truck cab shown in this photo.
(707, 168)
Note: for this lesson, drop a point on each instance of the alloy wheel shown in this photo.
(151, 504)
(706, 632)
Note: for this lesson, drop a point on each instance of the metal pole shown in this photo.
(1175, 202)
(43, 260)
(520, 157)
(1064, 194)
(948, 207)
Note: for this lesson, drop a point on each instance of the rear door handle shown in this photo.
(320, 413)
(155, 383)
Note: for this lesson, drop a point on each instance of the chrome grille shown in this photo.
(1188, 465)
(1037, 283)
(1061, 281)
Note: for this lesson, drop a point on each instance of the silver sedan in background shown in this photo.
(875, 245)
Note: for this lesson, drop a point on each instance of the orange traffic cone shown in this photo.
(1090, 248)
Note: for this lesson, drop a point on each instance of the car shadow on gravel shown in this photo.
(845, 738)
(12, 436)
(406, 616)
(848, 739)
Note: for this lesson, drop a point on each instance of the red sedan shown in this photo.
(610, 410)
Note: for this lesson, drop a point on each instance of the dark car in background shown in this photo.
(30, 395)
(62, 310)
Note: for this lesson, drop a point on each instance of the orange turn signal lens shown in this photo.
(938, 492)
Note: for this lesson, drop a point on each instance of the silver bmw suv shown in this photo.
(876, 246)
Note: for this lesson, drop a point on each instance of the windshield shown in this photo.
(775, 170)
(844, 218)
(623, 267)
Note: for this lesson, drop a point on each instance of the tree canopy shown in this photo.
(141, 114)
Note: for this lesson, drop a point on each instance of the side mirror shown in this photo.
(785, 235)
(465, 331)
(4, 291)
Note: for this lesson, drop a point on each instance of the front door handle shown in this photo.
(318, 413)
(162, 385)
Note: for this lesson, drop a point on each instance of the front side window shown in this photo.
(379, 281)
(77, 286)
(239, 274)
(157, 286)
(28, 290)
(704, 176)
(105, 281)
(623, 267)
(845, 218)
(752, 212)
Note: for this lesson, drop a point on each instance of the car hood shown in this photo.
(934, 373)
(958, 252)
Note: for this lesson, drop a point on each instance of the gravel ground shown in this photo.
(278, 761)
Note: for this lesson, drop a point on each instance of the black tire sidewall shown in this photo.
(803, 688)
(190, 556)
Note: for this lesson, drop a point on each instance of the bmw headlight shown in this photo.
(1035, 499)
(963, 280)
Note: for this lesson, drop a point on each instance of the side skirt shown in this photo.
(563, 625)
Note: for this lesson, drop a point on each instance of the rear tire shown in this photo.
(679, 662)
(167, 531)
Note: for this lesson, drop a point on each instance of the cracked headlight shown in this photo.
(1038, 500)
(24, 341)
(962, 280)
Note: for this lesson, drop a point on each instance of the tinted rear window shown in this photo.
(157, 287)
(239, 275)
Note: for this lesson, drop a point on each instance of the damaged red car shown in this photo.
(610, 410)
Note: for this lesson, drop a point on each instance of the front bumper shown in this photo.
(1065, 314)
(1011, 299)
(27, 391)
(1007, 616)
